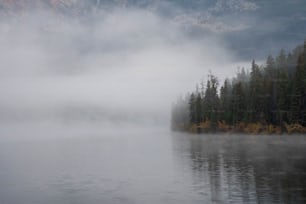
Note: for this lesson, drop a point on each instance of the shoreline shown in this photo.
(243, 128)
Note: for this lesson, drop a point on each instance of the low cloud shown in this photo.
(128, 61)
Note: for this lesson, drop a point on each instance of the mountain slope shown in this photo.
(248, 27)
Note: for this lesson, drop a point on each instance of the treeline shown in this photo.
(270, 98)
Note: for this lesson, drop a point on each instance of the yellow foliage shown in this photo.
(223, 126)
(253, 128)
(249, 128)
(205, 125)
(269, 129)
(240, 127)
(295, 128)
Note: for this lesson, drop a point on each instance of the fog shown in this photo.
(121, 64)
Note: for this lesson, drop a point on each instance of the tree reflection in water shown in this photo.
(245, 169)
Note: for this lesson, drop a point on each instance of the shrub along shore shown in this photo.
(250, 128)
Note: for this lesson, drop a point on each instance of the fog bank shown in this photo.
(121, 64)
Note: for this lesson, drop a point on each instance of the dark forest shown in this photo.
(269, 99)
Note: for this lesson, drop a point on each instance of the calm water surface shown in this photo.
(94, 165)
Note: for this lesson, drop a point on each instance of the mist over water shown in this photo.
(94, 164)
(121, 59)
(123, 63)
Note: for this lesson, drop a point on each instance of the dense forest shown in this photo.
(269, 98)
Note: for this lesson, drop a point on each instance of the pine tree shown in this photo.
(225, 102)
(281, 60)
(282, 101)
(298, 105)
(238, 103)
(192, 108)
(211, 100)
(198, 107)
(255, 106)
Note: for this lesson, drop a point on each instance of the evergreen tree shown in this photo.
(281, 60)
(256, 102)
(225, 102)
(198, 107)
(270, 91)
(238, 103)
(192, 109)
(282, 99)
(211, 100)
(298, 106)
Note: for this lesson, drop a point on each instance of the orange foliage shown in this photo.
(205, 125)
(249, 128)
(223, 126)
(295, 128)
(253, 128)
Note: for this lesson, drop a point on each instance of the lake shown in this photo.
(92, 164)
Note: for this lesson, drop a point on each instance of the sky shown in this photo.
(128, 62)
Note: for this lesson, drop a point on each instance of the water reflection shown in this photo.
(89, 164)
(245, 169)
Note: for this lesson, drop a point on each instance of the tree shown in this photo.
(198, 107)
(225, 102)
(238, 103)
(281, 60)
(192, 108)
(255, 101)
(282, 99)
(298, 103)
(211, 100)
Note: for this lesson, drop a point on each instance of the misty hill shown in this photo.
(250, 28)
